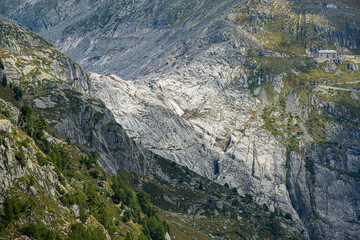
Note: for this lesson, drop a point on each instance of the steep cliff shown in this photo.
(33, 72)
(291, 143)
(282, 129)
(49, 188)
(33, 64)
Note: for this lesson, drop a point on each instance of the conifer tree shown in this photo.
(4, 81)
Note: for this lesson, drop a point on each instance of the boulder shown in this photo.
(5, 126)
(33, 191)
(219, 205)
(88, 222)
(353, 67)
(330, 67)
(76, 210)
(167, 236)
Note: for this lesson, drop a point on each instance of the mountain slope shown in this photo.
(49, 188)
(129, 29)
(289, 150)
(133, 39)
(282, 129)
(33, 64)
(76, 188)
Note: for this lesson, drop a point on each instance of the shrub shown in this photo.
(156, 228)
(80, 232)
(144, 201)
(25, 143)
(4, 81)
(31, 181)
(39, 231)
(41, 159)
(248, 198)
(235, 203)
(12, 209)
(20, 156)
(309, 165)
(127, 216)
(265, 207)
(288, 216)
(129, 236)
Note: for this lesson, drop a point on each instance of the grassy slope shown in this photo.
(285, 27)
(302, 77)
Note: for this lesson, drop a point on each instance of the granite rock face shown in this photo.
(216, 130)
(62, 82)
(135, 38)
(53, 85)
(11, 171)
(217, 137)
(201, 97)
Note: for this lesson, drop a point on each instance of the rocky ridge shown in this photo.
(257, 121)
(34, 64)
(172, 32)
(30, 63)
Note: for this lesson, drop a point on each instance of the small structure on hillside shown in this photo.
(327, 54)
(330, 5)
(267, 53)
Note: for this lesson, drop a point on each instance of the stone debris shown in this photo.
(5, 126)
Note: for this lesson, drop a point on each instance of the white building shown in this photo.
(330, 5)
(330, 54)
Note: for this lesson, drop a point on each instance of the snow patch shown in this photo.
(176, 107)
